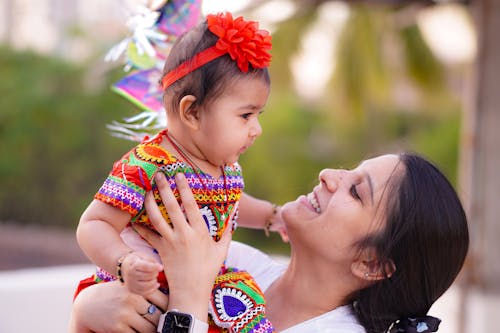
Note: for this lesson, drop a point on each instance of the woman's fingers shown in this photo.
(173, 208)
(155, 216)
(154, 317)
(227, 235)
(149, 235)
(142, 324)
(110, 307)
(190, 206)
(146, 317)
(175, 213)
(225, 239)
(159, 299)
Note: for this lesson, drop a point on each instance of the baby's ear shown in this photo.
(188, 113)
(370, 268)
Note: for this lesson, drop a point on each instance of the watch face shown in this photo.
(177, 322)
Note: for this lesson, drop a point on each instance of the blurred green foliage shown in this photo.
(56, 150)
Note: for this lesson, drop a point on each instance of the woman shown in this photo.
(371, 250)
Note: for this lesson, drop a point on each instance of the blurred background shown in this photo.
(350, 79)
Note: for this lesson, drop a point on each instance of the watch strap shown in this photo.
(159, 328)
(199, 326)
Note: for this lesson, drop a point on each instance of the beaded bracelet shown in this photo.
(119, 263)
(269, 221)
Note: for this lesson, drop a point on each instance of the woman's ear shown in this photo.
(368, 267)
(188, 113)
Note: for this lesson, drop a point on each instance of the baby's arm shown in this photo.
(98, 235)
(260, 214)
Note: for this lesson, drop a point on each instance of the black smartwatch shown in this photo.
(174, 321)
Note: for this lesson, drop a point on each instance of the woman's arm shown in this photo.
(110, 307)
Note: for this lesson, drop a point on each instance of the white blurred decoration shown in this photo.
(267, 14)
(212, 6)
(275, 11)
(449, 32)
(313, 66)
(31, 28)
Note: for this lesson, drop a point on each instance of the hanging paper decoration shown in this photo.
(153, 29)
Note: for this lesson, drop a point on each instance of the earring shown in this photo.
(366, 275)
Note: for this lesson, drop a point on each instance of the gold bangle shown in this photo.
(269, 221)
(119, 263)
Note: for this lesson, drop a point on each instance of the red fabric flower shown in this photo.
(243, 40)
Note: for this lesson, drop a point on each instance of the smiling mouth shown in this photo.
(314, 202)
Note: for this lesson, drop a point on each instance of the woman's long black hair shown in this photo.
(426, 237)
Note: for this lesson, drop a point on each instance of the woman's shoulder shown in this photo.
(339, 320)
(264, 268)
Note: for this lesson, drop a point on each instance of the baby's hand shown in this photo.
(140, 273)
(278, 225)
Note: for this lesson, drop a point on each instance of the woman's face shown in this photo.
(345, 207)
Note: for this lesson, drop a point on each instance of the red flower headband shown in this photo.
(243, 40)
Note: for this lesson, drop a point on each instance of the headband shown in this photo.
(242, 40)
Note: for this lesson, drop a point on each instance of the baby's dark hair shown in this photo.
(426, 237)
(209, 81)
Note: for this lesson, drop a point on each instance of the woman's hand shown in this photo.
(110, 307)
(190, 257)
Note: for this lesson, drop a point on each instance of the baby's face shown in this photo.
(230, 125)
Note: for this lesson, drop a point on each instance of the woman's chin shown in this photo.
(297, 212)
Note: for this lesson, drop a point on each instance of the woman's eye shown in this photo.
(354, 192)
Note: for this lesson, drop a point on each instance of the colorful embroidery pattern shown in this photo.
(238, 304)
(132, 176)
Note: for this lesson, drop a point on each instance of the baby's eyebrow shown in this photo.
(250, 107)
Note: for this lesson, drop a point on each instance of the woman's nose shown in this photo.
(331, 178)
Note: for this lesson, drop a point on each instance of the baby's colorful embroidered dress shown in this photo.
(237, 302)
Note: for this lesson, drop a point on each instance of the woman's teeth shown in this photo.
(312, 200)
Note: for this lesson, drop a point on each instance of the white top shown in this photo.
(266, 270)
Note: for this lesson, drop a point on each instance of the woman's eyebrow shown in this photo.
(370, 184)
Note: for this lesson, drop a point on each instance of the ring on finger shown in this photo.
(150, 310)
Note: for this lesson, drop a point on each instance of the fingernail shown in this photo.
(158, 176)
(179, 176)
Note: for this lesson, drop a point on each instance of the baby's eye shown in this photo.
(246, 115)
(354, 192)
